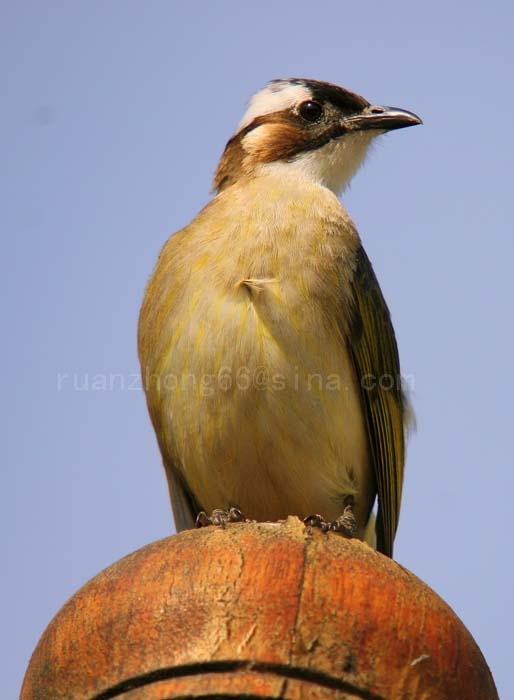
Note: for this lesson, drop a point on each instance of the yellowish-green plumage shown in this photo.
(263, 338)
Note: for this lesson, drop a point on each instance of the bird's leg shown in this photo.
(220, 517)
(345, 524)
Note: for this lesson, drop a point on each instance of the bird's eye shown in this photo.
(310, 111)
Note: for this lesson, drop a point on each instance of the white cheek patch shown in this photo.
(275, 97)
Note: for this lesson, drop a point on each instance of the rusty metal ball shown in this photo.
(253, 610)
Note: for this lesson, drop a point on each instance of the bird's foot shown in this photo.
(345, 524)
(317, 521)
(220, 517)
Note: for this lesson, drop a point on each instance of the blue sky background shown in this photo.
(113, 117)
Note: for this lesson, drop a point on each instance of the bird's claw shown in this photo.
(219, 517)
(317, 521)
(345, 524)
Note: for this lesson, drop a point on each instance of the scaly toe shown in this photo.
(220, 517)
(317, 521)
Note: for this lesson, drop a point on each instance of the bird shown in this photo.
(267, 351)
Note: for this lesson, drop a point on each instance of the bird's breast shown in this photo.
(260, 404)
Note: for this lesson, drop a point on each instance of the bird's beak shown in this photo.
(382, 118)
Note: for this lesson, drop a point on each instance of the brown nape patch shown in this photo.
(281, 140)
(230, 168)
(232, 164)
(281, 137)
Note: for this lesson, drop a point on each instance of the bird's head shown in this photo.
(319, 130)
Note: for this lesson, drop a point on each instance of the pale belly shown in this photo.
(264, 411)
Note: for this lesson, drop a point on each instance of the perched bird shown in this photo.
(268, 356)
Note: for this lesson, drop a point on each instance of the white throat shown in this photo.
(332, 165)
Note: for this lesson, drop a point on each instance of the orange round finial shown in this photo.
(258, 610)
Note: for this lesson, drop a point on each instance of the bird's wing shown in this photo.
(375, 356)
(153, 334)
